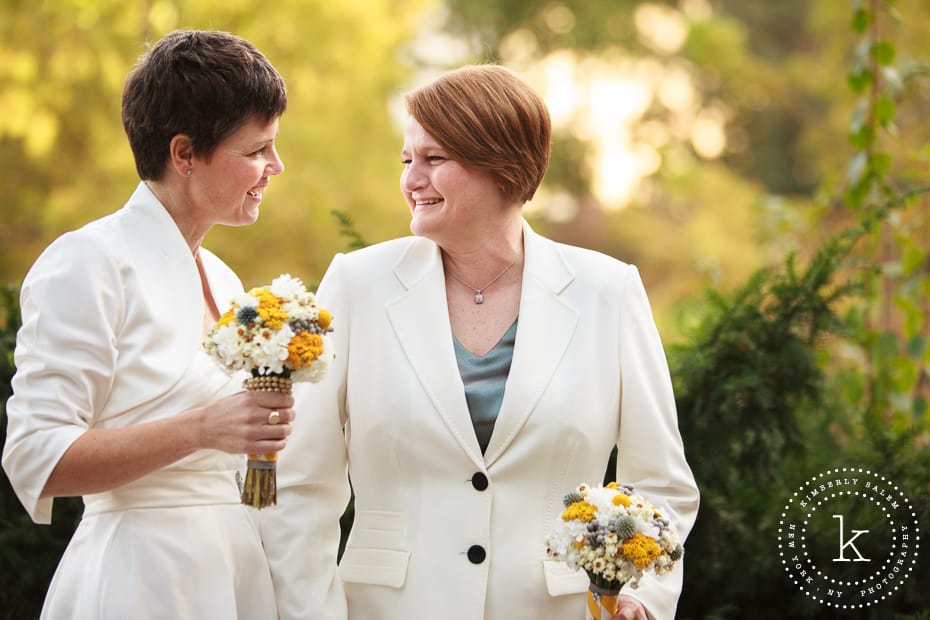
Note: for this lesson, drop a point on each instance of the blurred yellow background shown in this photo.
(692, 138)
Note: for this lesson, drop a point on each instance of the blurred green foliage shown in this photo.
(28, 553)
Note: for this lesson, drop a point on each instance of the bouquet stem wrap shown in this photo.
(602, 603)
(260, 489)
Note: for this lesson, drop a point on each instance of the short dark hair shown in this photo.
(201, 83)
(490, 118)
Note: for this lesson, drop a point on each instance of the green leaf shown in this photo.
(912, 258)
(883, 52)
(863, 138)
(885, 111)
(916, 346)
(861, 20)
(859, 80)
(886, 345)
(855, 195)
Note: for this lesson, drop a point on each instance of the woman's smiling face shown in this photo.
(227, 186)
(448, 199)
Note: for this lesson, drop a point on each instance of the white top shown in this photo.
(112, 321)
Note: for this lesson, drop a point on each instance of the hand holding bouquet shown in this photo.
(278, 334)
(614, 535)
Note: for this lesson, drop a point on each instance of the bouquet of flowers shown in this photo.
(280, 335)
(614, 535)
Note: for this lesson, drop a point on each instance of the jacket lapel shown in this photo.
(420, 318)
(546, 326)
(165, 264)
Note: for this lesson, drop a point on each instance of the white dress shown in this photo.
(112, 319)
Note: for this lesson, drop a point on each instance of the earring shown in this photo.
(189, 172)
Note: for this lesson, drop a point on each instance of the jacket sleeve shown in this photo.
(71, 303)
(650, 453)
(301, 533)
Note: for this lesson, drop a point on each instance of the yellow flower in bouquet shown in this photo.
(279, 335)
(614, 535)
(279, 331)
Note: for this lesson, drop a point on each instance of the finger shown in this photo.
(269, 432)
(630, 609)
(266, 447)
(275, 417)
(269, 435)
(272, 400)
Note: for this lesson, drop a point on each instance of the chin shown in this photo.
(421, 226)
(248, 217)
(422, 231)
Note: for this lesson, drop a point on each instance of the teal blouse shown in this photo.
(484, 377)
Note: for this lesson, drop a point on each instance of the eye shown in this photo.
(435, 159)
(406, 161)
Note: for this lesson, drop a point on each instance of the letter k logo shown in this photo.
(849, 543)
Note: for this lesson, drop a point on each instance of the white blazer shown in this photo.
(112, 315)
(430, 539)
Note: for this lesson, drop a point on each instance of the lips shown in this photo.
(256, 192)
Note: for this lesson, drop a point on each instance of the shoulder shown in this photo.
(589, 258)
(82, 273)
(596, 268)
(393, 248)
(379, 257)
(79, 253)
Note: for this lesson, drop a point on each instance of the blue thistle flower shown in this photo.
(625, 527)
(246, 315)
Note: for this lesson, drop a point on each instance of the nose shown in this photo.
(412, 178)
(275, 165)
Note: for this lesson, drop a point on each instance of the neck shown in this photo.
(177, 204)
(479, 259)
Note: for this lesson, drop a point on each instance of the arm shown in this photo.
(650, 453)
(301, 533)
(105, 458)
(74, 315)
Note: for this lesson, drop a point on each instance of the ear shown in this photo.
(181, 152)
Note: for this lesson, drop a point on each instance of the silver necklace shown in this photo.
(479, 292)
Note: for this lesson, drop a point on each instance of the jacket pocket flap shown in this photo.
(560, 579)
(383, 567)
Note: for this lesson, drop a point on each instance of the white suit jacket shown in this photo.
(430, 539)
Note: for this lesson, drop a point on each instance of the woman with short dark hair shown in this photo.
(114, 398)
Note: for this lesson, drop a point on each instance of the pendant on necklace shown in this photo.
(479, 298)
